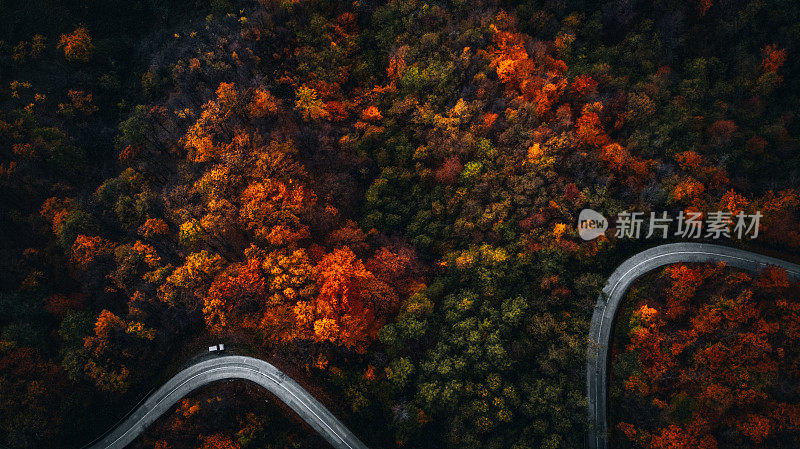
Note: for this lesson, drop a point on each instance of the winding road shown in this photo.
(231, 367)
(331, 429)
(606, 309)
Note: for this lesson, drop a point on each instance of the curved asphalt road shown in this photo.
(606, 309)
(318, 417)
(232, 367)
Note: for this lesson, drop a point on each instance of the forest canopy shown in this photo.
(380, 198)
(706, 357)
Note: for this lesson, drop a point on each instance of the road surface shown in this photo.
(606, 309)
(231, 367)
(320, 419)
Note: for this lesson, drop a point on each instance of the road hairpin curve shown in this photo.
(332, 430)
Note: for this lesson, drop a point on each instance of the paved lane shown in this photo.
(232, 367)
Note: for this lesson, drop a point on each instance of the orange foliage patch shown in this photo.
(263, 103)
(710, 341)
(774, 58)
(87, 249)
(56, 210)
(219, 441)
(77, 45)
(371, 114)
(688, 189)
(153, 227)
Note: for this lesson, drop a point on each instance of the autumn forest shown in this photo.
(380, 198)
